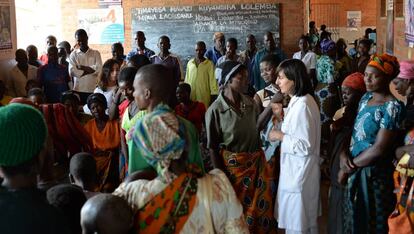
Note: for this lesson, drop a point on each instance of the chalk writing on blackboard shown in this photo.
(187, 24)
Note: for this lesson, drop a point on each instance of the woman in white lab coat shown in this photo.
(298, 193)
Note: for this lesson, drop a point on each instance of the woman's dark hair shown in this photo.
(104, 75)
(366, 42)
(127, 74)
(139, 60)
(97, 98)
(295, 70)
(272, 59)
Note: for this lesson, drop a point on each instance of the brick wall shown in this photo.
(367, 8)
(292, 13)
(401, 49)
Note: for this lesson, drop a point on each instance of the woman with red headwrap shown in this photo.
(353, 87)
(368, 197)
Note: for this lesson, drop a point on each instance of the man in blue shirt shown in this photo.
(141, 49)
(219, 48)
(53, 77)
(269, 48)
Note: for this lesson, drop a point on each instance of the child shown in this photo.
(82, 171)
(69, 199)
(36, 96)
(193, 111)
(106, 213)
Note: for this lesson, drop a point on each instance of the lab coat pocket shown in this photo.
(292, 170)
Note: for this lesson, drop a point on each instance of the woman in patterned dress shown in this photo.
(326, 92)
(366, 168)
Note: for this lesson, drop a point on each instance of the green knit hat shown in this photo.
(23, 133)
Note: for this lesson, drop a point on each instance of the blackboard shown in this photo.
(185, 25)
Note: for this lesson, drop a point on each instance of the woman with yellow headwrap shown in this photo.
(368, 198)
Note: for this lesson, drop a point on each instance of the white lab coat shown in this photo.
(298, 200)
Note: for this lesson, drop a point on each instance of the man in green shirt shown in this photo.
(149, 93)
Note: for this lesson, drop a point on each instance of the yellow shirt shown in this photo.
(202, 81)
(6, 99)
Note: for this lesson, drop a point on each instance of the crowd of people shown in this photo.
(236, 143)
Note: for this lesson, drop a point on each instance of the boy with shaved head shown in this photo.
(106, 214)
(150, 91)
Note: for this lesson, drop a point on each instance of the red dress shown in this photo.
(194, 113)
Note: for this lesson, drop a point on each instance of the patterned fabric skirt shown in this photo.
(169, 210)
(398, 179)
(368, 201)
(326, 95)
(253, 180)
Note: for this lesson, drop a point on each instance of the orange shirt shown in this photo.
(109, 138)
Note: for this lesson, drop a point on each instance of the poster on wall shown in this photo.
(389, 43)
(353, 20)
(108, 3)
(104, 26)
(409, 21)
(7, 29)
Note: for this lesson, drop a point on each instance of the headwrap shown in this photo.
(217, 35)
(406, 70)
(327, 45)
(23, 134)
(355, 81)
(386, 63)
(228, 70)
(97, 97)
(161, 138)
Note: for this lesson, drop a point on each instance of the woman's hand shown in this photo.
(277, 98)
(345, 163)
(342, 177)
(276, 135)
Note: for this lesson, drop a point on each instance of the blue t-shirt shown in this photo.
(213, 55)
(54, 79)
(371, 119)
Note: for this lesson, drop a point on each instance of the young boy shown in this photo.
(171, 61)
(200, 76)
(69, 199)
(82, 171)
(106, 214)
(36, 96)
